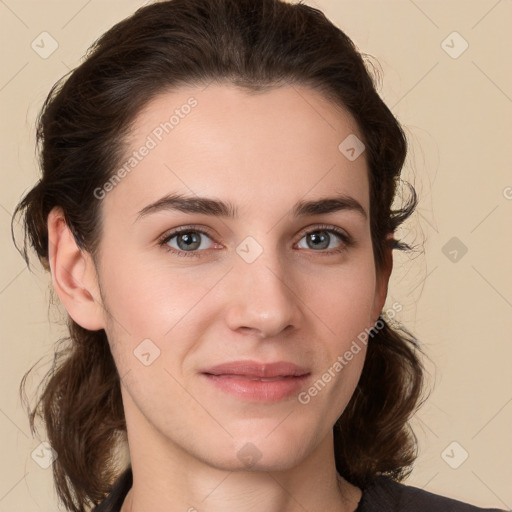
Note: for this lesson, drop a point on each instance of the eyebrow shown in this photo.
(217, 208)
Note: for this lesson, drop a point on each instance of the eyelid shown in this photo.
(324, 227)
(192, 227)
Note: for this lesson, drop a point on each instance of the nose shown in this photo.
(261, 297)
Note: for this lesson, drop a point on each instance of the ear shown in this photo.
(382, 278)
(73, 273)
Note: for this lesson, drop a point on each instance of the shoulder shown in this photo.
(383, 494)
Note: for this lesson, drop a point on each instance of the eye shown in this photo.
(187, 240)
(322, 237)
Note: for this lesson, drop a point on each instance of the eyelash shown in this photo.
(347, 240)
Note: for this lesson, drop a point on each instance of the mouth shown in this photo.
(257, 382)
(257, 370)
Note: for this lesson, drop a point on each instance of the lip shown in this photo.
(257, 370)
(243, 379)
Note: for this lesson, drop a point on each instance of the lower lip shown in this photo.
(258, 390)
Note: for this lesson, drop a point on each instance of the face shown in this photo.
(271, 282)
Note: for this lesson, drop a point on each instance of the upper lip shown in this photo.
(256, 369)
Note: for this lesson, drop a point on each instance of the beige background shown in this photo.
(457, 114)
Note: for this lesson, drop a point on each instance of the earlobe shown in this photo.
(73, 274)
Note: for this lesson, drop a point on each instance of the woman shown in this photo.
(215, 212)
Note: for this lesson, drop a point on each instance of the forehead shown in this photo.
(224, 141)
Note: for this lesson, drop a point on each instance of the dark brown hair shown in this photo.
(81, 135)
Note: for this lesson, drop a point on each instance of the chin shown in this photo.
(260, 454)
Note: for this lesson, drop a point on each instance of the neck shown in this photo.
(347, 501)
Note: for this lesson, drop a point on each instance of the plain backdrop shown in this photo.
(446, 75)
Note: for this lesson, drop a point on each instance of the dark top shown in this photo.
(383, 494)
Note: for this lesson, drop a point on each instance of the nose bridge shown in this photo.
(262, 297)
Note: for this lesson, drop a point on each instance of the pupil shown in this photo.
(189, 240)
(320, 238)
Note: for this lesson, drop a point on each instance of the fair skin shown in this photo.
(295, 302)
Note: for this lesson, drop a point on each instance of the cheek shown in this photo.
(147, 300)
(343, 299)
